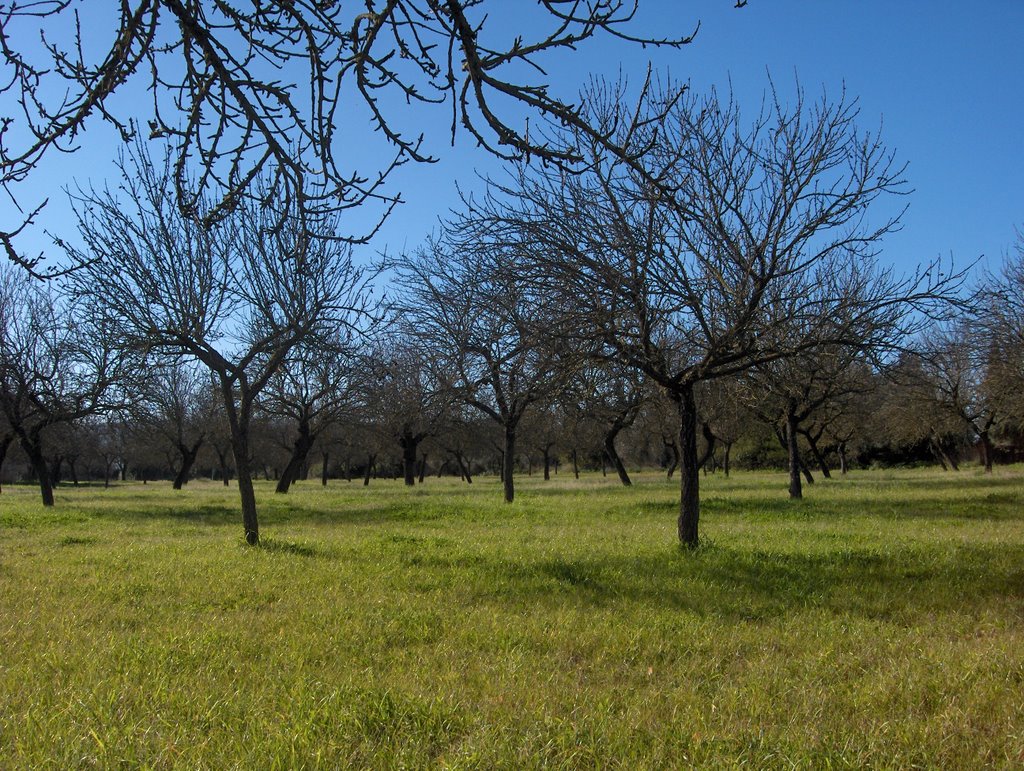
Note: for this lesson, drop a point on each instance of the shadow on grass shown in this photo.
(752, 584)
(275, 546)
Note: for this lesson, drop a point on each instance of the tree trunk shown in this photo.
(300, 451)
(689, 470)
(937, 451)
(326, 457)
(56, 468)
(575, 464)
(813, 444)
(795, 489)
(250, 522)
(5, 442)
(34, 451)
(423, 468)
(188, 459)
(464, 468)
(409, 444)
(507, 463)
(238, 422)
(986, 451)
(710, 440)
(370, 460)
(725, 458)
(613, 456)
(222, 457)
(547, 464)
(674, 446)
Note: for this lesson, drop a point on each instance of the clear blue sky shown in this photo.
(945, 79)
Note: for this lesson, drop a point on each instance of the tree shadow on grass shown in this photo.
(752, 584)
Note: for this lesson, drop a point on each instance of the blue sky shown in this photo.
(945, 79)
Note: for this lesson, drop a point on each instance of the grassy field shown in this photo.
(878, 623)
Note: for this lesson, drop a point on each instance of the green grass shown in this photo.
(877, 623)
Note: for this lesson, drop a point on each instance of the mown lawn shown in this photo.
(877, 623)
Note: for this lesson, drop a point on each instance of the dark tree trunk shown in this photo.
(710, 440)
(689, 469)
(986, 451)
(188, 459)
(250, 522)
(575, 464)
(547, 463)
(238, 421)
(613, 456)
(938, 452)
(464, 468)
(795, 489)
(370, 460)
(34, 452)
(56, 468)
(5, 443)
(941, 453)
(326, 457)
(725, 458)
(801, 466)
(674, 447)
(813, 444)
(508, 462)
(423, 468)
(300, 451)
(409, 443)
(222, 458)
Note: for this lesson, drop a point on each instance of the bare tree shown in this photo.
(216, 76)
(177, 404)
(239, 298)
(960, 368)
(483, 328)
(789, 394)
(753, 230)
(409, 402)
(312, 391)
(1002, 317)
(612, 396)
(57, 365)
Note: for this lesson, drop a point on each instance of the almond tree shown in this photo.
(742, 242)
(58, 365)
(238, 298)
(482, 328)
(312, 392)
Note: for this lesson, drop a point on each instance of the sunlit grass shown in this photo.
(877, 623)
